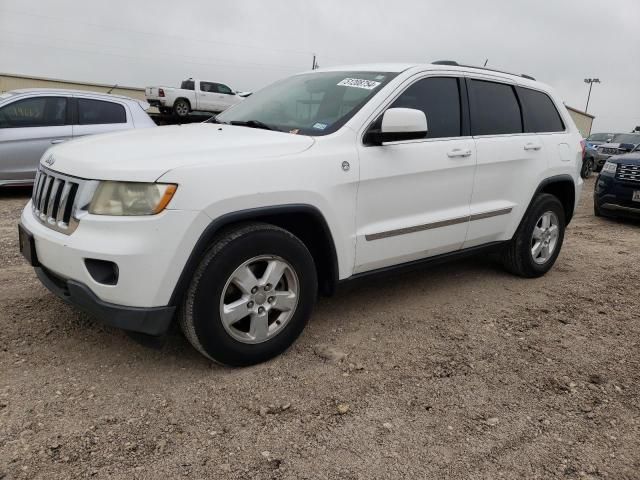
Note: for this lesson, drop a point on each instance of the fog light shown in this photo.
(102, 271)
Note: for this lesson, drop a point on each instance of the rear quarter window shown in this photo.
(95, 112)
(539, 112)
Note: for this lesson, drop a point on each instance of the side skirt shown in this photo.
(419, 264)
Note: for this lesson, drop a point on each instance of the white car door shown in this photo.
(100, 116)
(509, 161)
(226, 97)
(28, 127)
(414, 195)
(207, 97)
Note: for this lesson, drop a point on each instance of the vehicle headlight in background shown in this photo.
(131, 198)
(609, 167)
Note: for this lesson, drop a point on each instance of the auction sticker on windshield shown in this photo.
(359, 83)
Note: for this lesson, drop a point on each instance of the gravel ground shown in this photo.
(460, 371)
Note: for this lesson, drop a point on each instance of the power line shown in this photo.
(144, 58)
(155, 34)
(175, 55)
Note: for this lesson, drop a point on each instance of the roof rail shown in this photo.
(453, 63)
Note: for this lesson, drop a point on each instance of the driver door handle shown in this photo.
(459, 152)
(532, 146)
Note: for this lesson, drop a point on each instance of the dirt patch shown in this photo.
(461, 371)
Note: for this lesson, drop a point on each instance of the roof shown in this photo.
(73, 82)
(401, 67)
(20, 91)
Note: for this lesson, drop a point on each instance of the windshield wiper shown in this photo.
(253, 124)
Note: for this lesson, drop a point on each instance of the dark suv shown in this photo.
(617, 191)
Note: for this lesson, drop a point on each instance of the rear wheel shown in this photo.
(181, 108)
(251, 295)
(538, 240)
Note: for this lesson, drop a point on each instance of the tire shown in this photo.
(518, 257)
(596, 209)
(587, 167)
(181, 108)
(260, 249)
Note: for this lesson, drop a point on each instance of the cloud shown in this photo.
(249, 44)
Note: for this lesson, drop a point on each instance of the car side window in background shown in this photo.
(494, 109)
(34, 112)
(92, 112)
(224, 89)
(188, 85)
(439, 99)
(539, 113)
(208, 87)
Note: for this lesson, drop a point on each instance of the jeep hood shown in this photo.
(145, 155)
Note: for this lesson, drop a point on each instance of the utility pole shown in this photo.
(590, 81)
(314, 66)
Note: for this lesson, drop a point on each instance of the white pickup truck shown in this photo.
(193, 95)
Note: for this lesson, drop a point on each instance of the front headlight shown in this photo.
(131, 198)
(609, 167)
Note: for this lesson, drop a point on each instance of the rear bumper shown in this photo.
(151, 321)
(156, 103)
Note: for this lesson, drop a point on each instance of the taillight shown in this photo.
(583, 146)
(160, 92)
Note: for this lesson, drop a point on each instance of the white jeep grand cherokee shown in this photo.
(232, 227)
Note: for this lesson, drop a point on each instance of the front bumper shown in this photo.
(615, 197)
(151, 321)
(149, 252)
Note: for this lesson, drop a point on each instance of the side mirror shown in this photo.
(399, 124)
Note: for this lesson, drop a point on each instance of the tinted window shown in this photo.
(539, 112)
(34, 112)
(188, 85)
(494, 109)
(224, 89)
(439, 99)
(208, 87)
(92, 112)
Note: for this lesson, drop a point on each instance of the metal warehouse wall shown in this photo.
(582, 120)
(12, 82)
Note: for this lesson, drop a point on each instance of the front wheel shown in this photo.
(587, 168)
(538, 240)
(251, 296)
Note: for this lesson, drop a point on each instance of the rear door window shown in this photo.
(208, 87)
(34, 112)
(494, 108)
(188, 85)
(539, 112)
(439, 99)
(94, 112)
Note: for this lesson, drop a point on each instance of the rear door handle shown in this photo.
(459, 152)
(57, 140)
(532, 146)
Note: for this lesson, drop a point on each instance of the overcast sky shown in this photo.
(250, 43)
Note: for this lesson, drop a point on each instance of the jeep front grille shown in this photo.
(609, 151)
(53, 200)
(628, 173)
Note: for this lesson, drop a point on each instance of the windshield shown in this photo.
(599, 137)
(626, 138)
(309, 104)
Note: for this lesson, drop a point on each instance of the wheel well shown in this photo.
(303, 221)
(314, 233)
(182, 98)
(564, 190)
